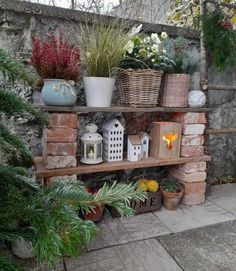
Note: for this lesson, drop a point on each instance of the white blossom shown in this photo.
(155, 48)
(155, 38)
(164, 35)
(129, 47)
(136, 30)
(146, 40)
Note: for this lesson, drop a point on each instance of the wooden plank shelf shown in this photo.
(85, 109)
(41, 171)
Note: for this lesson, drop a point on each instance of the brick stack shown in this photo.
(192, 175)
(60, 143)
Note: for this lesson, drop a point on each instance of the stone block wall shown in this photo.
(19, 18)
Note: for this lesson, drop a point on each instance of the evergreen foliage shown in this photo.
(220, 39)
(48, 218)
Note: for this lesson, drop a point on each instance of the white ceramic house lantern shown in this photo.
(91, 146)
(113, 134)
(134, 152)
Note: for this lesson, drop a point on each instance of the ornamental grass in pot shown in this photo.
(141, 70)
(172, 192)
(103, 47)
(57, 63)
(176, 80)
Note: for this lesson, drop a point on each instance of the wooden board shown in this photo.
(220, 131)
(85, 109)
(111, 166)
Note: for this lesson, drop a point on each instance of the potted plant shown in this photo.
(141, 70)
(176, 80)
(57, 63)
(96, 213)
(103, 47)
(172, 192)
(153, 201)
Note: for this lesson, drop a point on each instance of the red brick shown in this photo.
(194, 188)
(66, 120)
(190, 117)
(52, 162)
(192, 140)
(193, 167)
(50, 180)
(188, 177)
(193, 129)
(191, 151)
(193, 199)
(59, 149)
(60, 135)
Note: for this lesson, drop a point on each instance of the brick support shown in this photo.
(60, 141)
(50, 180)
(193, 199)
(188, 177)
(192, 167)
(193, 129)
(191, 151)
(190, 118)
(192, 140)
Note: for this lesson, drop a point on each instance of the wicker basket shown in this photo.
(139, 88)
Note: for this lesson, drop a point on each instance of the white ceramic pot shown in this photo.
(98, 91)
(196, 98)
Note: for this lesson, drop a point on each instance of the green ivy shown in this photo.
(220, 41)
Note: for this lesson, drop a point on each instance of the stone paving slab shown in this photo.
(224, 196)
(123, 230)
(210, 248)
(147, 255)
(190, 217)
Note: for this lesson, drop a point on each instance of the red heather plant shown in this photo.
(55, 58)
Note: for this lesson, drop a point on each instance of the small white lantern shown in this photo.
(91, 146)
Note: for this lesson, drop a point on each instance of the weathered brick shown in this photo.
(193, 199)
(193, 129)
(192, 140)
(190, 117)
(193, 167)
(188, 177)
(194, 188)
(60, 135)
(59, 149)
(50, 180)
(191, 151)
(66, 120)
(51, 162)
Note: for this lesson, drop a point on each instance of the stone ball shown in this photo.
(196, 98)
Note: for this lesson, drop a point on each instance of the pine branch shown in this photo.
(14, 70)
(15, 150)
(14, 106)
(6, 264)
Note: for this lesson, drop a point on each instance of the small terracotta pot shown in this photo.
(95, 215)
(171, 200)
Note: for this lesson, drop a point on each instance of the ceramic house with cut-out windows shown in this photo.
(144, 137)
(113, 138)
(134, 152)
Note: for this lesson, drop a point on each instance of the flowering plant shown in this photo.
(55, 58)
(147, 52)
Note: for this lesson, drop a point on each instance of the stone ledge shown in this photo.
(80, 16)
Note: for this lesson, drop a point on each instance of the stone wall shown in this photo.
(18, 19)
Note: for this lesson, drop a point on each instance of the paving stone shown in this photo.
(207, 249)
(123, 230)
(146, 255)
(190, 217)
(224, 196)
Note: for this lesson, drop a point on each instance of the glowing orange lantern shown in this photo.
(165, 140)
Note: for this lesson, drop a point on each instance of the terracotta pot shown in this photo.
(95, 215)
(174, 90)
(171, 200)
